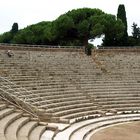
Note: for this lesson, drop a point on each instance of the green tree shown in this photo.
(134, 40)
(122, 15)
(108, 26)
(90, 23)
(14, 29)
(83, 31)
(48, 35)
(135, 31)
(62, 28)
(6, 37)
(72, 28)
(33, 34)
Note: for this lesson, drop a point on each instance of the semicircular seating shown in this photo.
(69, 85)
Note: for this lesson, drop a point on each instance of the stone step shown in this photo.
(53, 105)
(56, 98)
(6, 121)
(59, 100)
(117, 99)
(119, 102)
(113, 94)
(44, 92)
(93, 86)
(113, 89)
(120, 105)
(66, 98)
(48, 83)
(26, 129)
(13, 128)
(75, 110)
(2, 106)
(5, 112)
(37, 132)
(79, 114)
(67, 108)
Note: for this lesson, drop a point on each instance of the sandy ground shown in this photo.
(128, 131)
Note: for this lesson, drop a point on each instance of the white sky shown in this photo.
(27, 12)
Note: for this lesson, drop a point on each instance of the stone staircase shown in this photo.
(18, 125)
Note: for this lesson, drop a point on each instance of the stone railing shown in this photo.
(118, 49)
(39, 47)
(10, 95)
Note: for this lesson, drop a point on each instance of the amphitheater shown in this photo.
(63, 94)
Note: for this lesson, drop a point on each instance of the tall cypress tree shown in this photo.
(122, 15)
(14, 29)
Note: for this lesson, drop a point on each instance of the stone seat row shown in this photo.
(15, 125)
(65, 104)
(84, 130)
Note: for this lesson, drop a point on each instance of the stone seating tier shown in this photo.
(63, 82)
(15, 125)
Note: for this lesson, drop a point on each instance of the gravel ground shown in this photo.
(127, 131)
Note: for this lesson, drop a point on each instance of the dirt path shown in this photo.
(128, 131)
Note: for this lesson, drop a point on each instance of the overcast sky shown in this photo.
(27, 12)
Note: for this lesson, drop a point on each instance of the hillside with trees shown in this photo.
(72, 28)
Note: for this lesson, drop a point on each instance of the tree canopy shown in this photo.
(72, 28)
